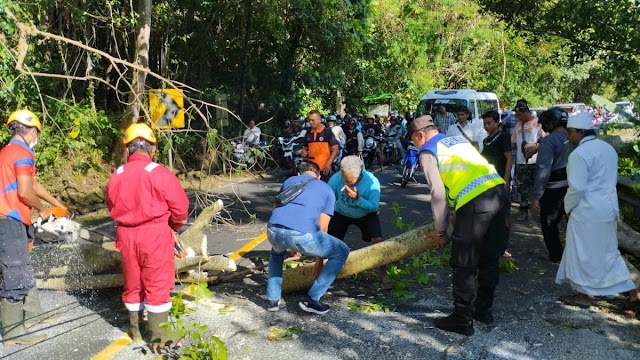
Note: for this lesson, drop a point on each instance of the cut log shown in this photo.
(194, 236)
(75, 259)
(628, 239)
(635, 274)
(190, 263)
(408, 244)
(78, 282)
(219, 263)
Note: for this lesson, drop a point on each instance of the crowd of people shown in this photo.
(560, 168)
(551, 162)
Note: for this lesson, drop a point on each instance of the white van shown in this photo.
(477, 102)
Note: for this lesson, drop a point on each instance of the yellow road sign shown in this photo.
(166, 107)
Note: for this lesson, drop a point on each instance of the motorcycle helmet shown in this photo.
(552, 118)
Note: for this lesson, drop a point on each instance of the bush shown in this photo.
(629, 158)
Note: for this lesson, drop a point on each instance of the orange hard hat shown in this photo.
(139, 131)
(26, 118)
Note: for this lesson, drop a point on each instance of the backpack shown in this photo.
(287, 195)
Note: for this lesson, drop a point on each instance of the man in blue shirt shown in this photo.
(301, 225)
(357, 193)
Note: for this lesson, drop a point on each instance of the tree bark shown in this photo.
(628, 239)
(408, 244)
(138, 79)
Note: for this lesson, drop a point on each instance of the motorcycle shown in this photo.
(248, 156)
(409, 165)
(290, 150)
(390, 150)
(370, 150)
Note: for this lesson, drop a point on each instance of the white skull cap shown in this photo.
(582, 120)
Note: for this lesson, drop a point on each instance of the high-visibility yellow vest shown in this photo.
(464, 172)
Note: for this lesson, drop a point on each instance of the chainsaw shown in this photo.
(59, 227)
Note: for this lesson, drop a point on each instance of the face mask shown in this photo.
(33, 144)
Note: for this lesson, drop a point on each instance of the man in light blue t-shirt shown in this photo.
(357, 193)
(301, 225)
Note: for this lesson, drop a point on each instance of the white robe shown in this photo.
(591, 261)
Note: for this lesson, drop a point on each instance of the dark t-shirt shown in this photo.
(319, 145)
(494, 148)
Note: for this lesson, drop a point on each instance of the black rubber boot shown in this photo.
(160, 337)
(137, 325)
(33, 312)
(459, 322)
(13, 330)
(483, 305)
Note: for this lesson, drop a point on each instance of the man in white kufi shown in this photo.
(591, 262)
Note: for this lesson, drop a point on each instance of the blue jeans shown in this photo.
(317, 244)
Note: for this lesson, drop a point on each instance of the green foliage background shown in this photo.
(277, 58)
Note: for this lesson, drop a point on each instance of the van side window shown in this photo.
(486, 105)
(472, 110)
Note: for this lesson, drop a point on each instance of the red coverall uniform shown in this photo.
(147, 202)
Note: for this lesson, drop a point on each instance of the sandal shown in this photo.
(575, 300)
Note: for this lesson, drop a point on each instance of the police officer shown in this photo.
(460, 178)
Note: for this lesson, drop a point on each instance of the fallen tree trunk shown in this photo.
(87, 265)
(410, 243)
(75, 259)
(628, 239)
(77, 282)
(194, 236)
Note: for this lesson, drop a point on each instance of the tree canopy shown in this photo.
(281, 58)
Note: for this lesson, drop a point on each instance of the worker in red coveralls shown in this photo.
(148, 204)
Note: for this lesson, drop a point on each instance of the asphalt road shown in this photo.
(91, 320)
(530, 322)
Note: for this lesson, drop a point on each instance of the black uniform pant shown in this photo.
(15, 260)
(551, 211)
(478, 241)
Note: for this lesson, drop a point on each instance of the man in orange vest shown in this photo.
(21, 193)
(320, 146)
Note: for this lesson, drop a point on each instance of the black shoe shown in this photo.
(455, 323)
(315, 307)
(485, 318)
(274, 305)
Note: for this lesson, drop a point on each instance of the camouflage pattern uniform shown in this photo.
(525, 174)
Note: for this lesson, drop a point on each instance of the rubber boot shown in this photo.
(483, 305)
(160, 337)
(33, 312)
(13, 330)
(459, 322)
(137, 325)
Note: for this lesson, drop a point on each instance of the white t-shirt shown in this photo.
(252, 136)
(474, 131)
(532, 133)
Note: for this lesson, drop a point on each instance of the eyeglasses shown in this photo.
(462, 114)
(521, 109)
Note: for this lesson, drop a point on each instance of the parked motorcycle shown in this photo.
(249, 156)
(409, 165)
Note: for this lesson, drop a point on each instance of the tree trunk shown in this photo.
(194, 236)
(628, 239)
(408, 244)
(138, 79)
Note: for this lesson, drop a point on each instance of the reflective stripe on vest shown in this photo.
(464, 172)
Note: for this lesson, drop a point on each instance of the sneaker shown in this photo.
(274, 305)
(315, 307)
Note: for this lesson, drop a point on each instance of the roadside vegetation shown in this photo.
(274, 60)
